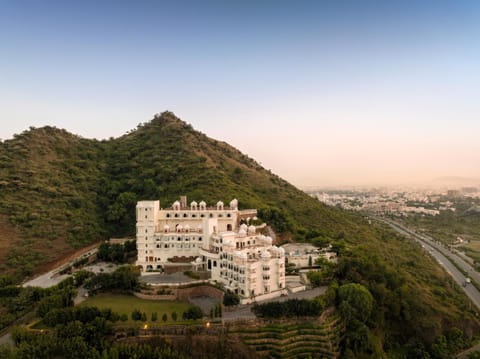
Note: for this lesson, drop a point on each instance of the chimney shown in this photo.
(183, 202)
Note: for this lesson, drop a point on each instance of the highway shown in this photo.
(440, 254)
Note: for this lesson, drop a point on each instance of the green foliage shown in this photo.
(355, 302)
(192, 313)
(446, 346)
(136, 315)
(122, 279)
(83, 339)
(230, 298)
(60, 191)
(82, 314)
(60, 300)
(289, 308)
(324, 275)
(65, 191)
(117, 253)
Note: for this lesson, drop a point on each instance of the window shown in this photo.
(168, 215)
(176, 215)
(199, 239)
(185, 215)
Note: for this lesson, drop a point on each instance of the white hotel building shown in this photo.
(210, 238)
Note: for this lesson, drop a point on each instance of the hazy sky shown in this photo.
(320, 92)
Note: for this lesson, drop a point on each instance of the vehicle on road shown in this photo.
(467, 282)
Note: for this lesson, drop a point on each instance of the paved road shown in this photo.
(53, 277)
(245, 312)
(440, 253)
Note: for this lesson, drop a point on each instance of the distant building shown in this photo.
(305, 255)
(212, 239)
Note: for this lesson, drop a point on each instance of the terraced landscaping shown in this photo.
(300, 340)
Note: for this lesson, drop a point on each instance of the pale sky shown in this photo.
(320, 92)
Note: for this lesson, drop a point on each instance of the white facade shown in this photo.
(245, 262)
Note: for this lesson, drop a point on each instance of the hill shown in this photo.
(62, 191)
(59, 192)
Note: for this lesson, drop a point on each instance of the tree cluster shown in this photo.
(117, 253)
(122, 279)
(192, 313)
(230, 298)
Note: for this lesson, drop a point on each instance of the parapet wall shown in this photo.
(184, 294)
(199, 291)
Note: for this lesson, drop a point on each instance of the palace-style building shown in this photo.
(211, 239)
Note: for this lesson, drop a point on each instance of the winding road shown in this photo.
(449, 260)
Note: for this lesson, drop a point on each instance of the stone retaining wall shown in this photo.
(183, 294)
(155, 296)
(199, 291)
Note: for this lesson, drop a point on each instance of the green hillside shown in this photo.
(59, 191)
(62, 191)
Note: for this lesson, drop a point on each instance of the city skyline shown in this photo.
(321, 93)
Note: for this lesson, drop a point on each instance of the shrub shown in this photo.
(230, 298)
(193, 313)
(136, 315)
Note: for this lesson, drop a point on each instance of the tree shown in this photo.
(164, 317)
(439, 348)
(356, 302)
(174, 316)
(154, 317)
(193, 313)
(136, 315)
(230, 298)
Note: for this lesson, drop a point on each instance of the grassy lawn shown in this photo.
(125, 304)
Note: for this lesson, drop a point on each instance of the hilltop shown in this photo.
(59, 192)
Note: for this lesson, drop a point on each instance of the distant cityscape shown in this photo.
(400, 201)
